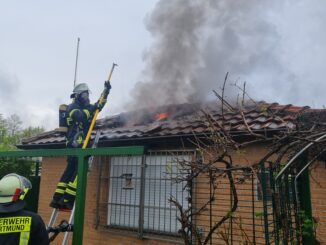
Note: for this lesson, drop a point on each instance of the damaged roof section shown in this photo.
(182, 120)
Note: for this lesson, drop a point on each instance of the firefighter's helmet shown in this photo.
(79, 88)
(13, 189)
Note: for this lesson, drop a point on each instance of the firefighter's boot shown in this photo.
(58, 195)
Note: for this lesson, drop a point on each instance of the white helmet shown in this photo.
(13, 189)
(79, 88)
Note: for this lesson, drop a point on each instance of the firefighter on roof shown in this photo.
(78, 117)
(18, 226)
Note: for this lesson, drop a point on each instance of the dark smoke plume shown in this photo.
(196, 42)
(174, 57)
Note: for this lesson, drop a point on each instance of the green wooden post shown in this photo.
(80, 201)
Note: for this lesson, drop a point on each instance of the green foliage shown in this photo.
(281, 166)
(14, 165)
(31, 131)
(11, 134)
(308, 226)
(259, 214)
(229, 214)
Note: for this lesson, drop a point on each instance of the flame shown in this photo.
(161, 116)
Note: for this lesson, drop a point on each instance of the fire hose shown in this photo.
(64, 226)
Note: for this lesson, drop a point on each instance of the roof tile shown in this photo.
(186, 119)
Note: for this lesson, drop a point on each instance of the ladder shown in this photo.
(55, 211)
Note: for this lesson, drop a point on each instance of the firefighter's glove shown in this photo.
(107, 86)
(101, 103)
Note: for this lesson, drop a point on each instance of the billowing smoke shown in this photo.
(195, 43)
(174, 57)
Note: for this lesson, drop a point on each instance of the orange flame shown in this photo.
(161, 116)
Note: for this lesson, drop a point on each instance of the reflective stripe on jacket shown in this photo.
(22, 228)
(78, 122)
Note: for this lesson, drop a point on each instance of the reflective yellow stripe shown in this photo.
(17, 224)
(61, 184)
(22, 196)
(60, 191)
(74, 183)
(73, 188)
(88, 114)
(71, 192)
(80, 140)
(72, 112)
(24, 238)
(69, 119)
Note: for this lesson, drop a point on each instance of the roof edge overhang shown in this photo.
(242, 136)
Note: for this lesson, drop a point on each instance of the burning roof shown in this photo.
(182, 120)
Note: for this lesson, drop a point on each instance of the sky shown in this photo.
(167, 51)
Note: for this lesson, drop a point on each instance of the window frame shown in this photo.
(146, 212)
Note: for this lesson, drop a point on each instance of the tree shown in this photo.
(14, 124)
(20, 166)
(31, 131)
(3, 128)
(11, 134)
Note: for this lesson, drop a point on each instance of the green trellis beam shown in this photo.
(82, 155)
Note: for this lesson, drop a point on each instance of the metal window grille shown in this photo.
(139, 190)
(123, 202)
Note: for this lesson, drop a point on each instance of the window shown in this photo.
(123, 202)
(129, 203)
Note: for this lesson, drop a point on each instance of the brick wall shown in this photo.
(52, 169)
(246, 225)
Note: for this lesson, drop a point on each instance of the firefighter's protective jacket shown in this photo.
(78, 121)
(79, 118)
(22, 228)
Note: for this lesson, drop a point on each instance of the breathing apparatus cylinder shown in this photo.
(63, 118)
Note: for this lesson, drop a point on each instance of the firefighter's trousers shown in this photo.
(66, 188)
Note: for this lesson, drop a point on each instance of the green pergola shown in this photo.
(82, 155)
